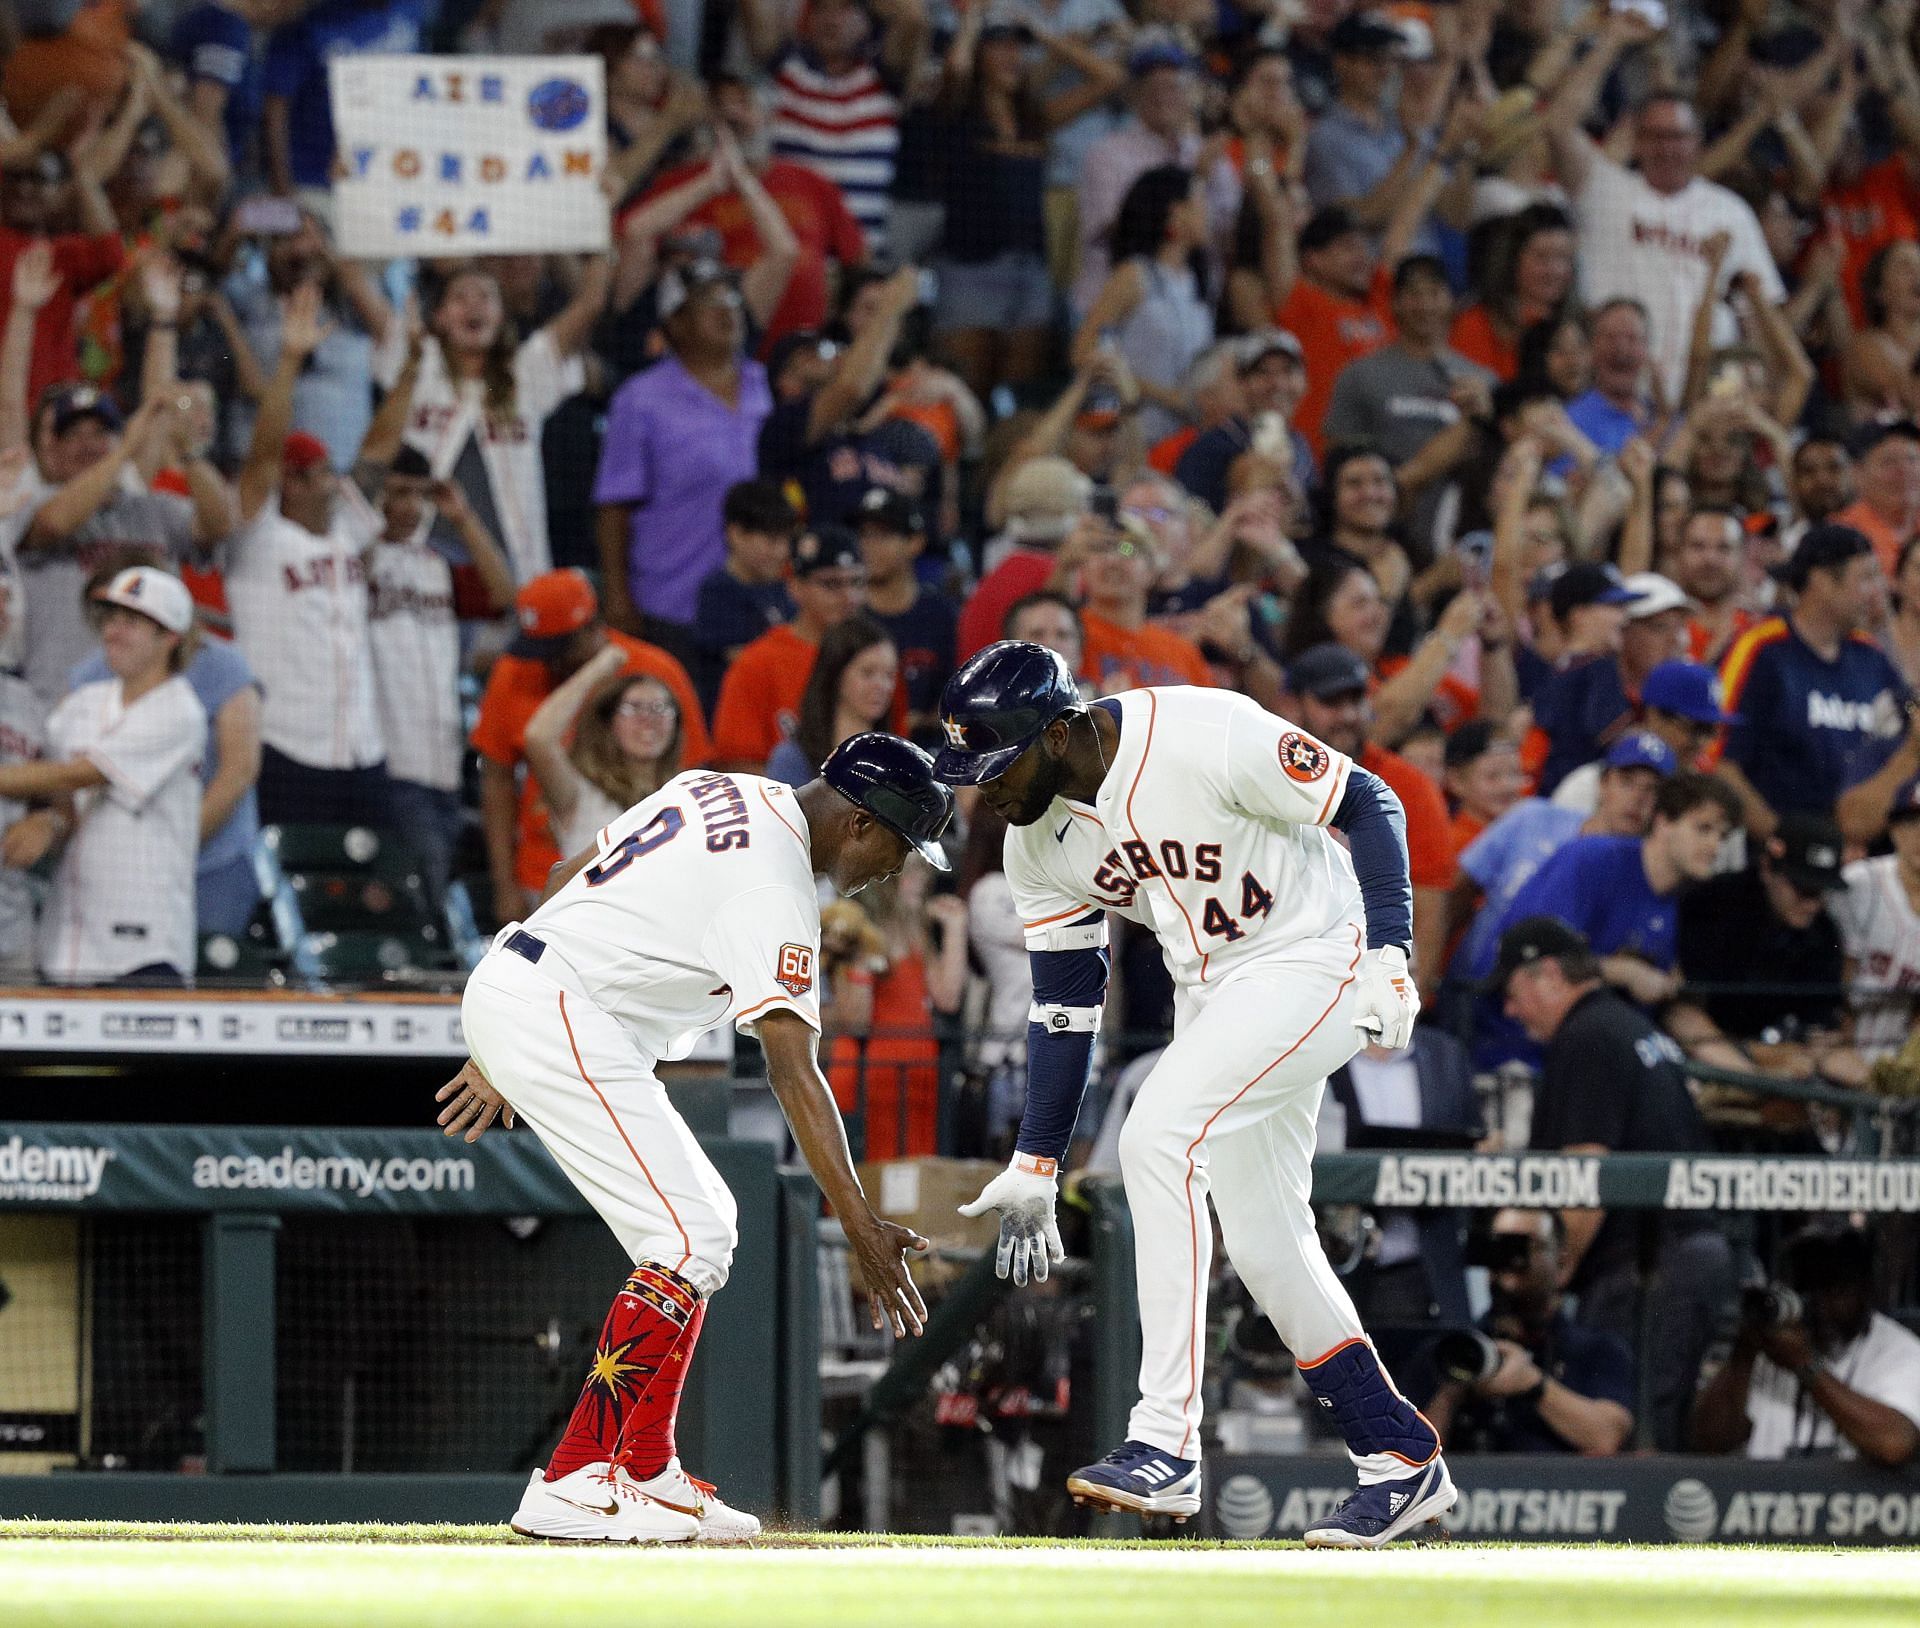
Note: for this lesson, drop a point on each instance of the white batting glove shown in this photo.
(1386, 1002)
(1029, 1236)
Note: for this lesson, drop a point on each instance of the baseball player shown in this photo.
(1207, 820)
(121, 778)
(695, 907)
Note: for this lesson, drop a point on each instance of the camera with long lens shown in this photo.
(1771, 1305)
(1467, 1355)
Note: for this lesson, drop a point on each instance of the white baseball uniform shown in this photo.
(700, 909)
(1880, 932)
(414, 637)
(446, 416)
(1209, 830)
(23, 734)
(123, 896)
(299, 602)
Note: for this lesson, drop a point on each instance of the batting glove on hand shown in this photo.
(1386, 1001)
(1029, 1236)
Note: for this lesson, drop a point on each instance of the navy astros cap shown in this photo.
(1326, 672)
(827, 547)
(888, 510)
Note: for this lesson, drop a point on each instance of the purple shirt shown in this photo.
(672, 449)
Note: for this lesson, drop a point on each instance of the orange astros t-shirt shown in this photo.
(1333, 329)
(516, 687)
(1115, 658)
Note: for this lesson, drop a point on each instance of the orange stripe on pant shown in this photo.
(686, 1246)
(1193, 1219)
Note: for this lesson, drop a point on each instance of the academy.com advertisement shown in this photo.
(209, 1168)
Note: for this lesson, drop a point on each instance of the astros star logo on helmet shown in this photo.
(956, 732)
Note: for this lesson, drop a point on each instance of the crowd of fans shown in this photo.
(1523, 397)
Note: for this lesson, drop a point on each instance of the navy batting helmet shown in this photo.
(995, 706)
(893, 780)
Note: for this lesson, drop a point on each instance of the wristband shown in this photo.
(1533, 1393)
(1036, 1164)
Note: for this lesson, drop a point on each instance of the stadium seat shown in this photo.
(365, 957)
(341, 848)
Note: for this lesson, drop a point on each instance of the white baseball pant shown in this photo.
(591, 1096)
(1229, 1110)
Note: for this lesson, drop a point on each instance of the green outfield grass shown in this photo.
(344, 1577)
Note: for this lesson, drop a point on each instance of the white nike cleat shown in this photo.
(597, 1504)
(719, 1521)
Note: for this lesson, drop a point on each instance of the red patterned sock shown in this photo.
(646, 1441)
(651, 1316)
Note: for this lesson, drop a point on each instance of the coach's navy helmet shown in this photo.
(893, 780)
(995, 706)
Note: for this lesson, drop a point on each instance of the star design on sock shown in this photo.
(612, 1371)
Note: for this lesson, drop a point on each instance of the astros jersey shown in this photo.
(123, 897)
(1880, 932)
(415, 641)
(300, 613)
(699, 909)
(23, 727)
(1208, 829)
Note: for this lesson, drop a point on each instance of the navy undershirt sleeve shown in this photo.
(1376, 832)
(1069, 989)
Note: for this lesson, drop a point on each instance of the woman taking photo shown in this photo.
(625, 747)
(850, 691)
(1153, 305)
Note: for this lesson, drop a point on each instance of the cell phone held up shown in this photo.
(267, 217)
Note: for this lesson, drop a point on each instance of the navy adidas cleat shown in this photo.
(1374, 1516)
(1135, 1479)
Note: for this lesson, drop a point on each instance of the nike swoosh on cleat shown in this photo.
(591, 1509)
(697, 1511)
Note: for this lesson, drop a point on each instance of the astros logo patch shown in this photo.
(1303, 760)
(956, 732)
(796, 969)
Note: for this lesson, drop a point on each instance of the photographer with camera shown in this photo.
(1816, 1371)
(1530, 1379)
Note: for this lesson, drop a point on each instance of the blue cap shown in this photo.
(1159, 51)
(1588, 584)
(1688, 690)
(1642, 750)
